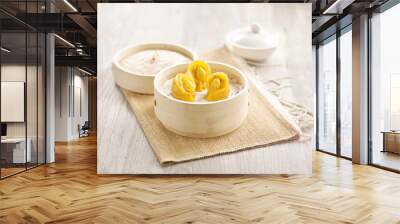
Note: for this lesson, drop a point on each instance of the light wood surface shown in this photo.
(122, 146)
(70, 191)
(8, 171)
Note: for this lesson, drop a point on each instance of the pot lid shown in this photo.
(250, 37)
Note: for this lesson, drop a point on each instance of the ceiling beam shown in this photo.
(337, 7)
(319, 23)
(49, 22)
(84, 24)
(78, 61)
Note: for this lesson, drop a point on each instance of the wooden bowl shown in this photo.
(142, 83)
(201, 119)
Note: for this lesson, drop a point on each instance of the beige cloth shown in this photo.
(264, 126)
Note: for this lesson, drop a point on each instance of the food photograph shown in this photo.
(204, 89)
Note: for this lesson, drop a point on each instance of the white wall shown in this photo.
(79, 117)
(12, 101)
(69, 81)
(62, 82)
(12, 73)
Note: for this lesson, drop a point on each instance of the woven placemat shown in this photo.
(264, 126)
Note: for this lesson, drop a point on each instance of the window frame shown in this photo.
(381, 9)
(334, 37)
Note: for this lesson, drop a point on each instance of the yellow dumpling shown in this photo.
(199, 70)
(218, 86)
(183, 87)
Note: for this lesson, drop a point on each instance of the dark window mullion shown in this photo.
(369, 91)
(338, 91)
(0, 95)
(37, 91)
(317, 96)
(26, 88)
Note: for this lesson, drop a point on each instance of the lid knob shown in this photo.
(255, 28)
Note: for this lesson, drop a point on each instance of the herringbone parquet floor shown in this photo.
(69, 191)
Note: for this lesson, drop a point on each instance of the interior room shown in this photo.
(75, 143)
(23, 100)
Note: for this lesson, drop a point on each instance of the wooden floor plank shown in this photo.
(70, 191)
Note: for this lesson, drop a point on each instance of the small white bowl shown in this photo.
(142, 83)
(250, 44)
(201, 119)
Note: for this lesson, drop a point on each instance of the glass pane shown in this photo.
(327, 97)
(13, 88)
(22, 90)
(385, 93)
(41, 98)
(31, 87)
(32, 95)
(346, 94)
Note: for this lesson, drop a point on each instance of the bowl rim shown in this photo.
(240, 46)
(242, 91)
(151, 45)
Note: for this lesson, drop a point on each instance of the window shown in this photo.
(346, 76)
(385, 89)
(22, 77)
(334, 106)
(327, 96)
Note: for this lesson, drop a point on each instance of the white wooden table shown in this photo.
(19, 154)
(122, 145)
